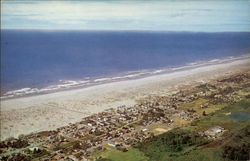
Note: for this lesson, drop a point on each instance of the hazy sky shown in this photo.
(161, 15)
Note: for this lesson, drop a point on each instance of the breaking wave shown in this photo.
(86, 82)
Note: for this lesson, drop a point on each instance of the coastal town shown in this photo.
(125, 80)
(126, 126)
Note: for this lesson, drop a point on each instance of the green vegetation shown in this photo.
(196, 105)
(132, 154)
(238, 146)
(173, 143)
(103, 159)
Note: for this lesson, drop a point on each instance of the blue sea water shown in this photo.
(36, 59)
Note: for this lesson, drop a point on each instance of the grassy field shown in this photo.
(201, 101)
(132, 154)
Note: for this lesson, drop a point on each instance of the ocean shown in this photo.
(34, 61)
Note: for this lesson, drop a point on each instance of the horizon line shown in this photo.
(110, 30)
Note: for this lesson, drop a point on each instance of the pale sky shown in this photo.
(157, 15)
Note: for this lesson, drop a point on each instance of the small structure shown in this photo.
(113, 144)
(214, 132)
(34, 149)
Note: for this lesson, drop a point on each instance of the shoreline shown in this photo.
(50, 111)
(68, 85)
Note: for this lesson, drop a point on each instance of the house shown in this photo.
(214, 132)
(113, 144)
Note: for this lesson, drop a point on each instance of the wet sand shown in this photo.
(50, 111)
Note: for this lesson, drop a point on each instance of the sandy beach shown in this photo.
(50, 111)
